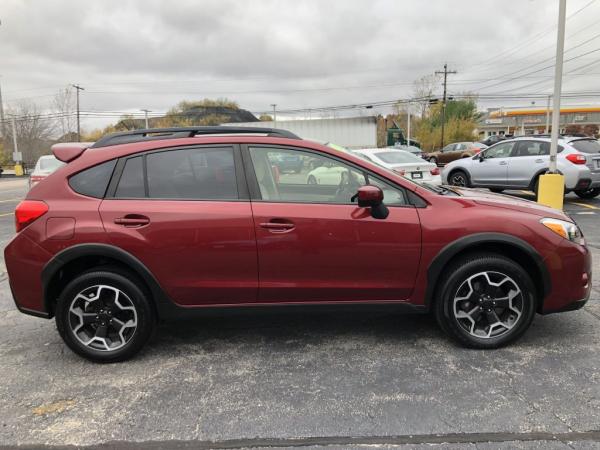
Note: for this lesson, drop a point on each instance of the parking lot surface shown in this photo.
(306, 380)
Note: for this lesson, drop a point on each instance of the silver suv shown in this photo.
(517, 163)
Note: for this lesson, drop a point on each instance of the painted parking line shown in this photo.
(586, 213)
(584, 205)
(14, 200)
(7, 214)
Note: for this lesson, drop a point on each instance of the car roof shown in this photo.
(380, 150)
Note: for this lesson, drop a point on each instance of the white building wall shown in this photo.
(350, 132)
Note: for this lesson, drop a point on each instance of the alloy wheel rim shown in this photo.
(488, 304)
(459, 180)
(102, 318)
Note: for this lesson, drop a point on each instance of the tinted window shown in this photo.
(586, 145)
(200, 173)
(131, 184)
(314, 178)
(93, 181)
(531, 148)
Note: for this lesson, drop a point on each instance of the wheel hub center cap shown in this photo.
(486, 302)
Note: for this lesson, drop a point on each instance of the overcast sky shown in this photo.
(133, 54)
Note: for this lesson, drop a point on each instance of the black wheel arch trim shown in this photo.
(69, 254)
(435, 269)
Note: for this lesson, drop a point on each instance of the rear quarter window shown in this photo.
(586, 145)
(94, 180)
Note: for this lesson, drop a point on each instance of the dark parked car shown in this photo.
(494, 139)
(452, 152)
(143, 226)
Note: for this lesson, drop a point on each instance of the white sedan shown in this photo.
(403, 162)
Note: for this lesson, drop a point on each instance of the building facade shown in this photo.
(528, 121)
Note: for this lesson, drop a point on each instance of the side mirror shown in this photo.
(372, 197)
(480, 156)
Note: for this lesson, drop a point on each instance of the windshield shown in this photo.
(398, 157)
(50, 164)
(586, 145)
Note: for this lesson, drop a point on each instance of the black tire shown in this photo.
(536, 186)
(459, 178)
(433, 160)
(496, 190)
(132, 294)
(589, 193)
(451, 285)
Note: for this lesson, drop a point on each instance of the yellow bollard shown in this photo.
(18, 170)
(551, 190)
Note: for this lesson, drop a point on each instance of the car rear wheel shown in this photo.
(588, 193)
(104, 316)
(485, 301)
(459, 178)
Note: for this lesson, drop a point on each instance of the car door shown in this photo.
(186, 215)
(446, 153)
(526, 160)
(315, 245)
(490, 167)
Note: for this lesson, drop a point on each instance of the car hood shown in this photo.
(487, 198)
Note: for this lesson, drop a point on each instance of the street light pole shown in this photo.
(78, 88)
(146, 111)
(558, 72)
(274, 105)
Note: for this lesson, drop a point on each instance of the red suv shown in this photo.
(147, 225)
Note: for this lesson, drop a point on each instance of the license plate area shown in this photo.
(416, 175)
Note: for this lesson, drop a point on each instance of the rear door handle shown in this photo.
(503, 163)
(278, 227)
(132, 220)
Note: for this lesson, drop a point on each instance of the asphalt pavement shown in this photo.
(332, 381)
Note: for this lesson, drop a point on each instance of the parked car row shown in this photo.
(517, 164)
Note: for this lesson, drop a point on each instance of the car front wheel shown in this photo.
(104, 316)
(459, 178)
(589, 193)
(485, 301)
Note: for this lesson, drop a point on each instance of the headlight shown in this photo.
(568, 230)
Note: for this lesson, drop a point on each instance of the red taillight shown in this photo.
(435, 171)
(400, 171)
(29, 211)
(577, 158)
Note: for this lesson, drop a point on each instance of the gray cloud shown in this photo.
(151, 54)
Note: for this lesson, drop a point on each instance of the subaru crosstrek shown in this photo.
(148, 225)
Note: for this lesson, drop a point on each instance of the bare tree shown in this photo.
(34, 131)
(64, 107)
(423, 90)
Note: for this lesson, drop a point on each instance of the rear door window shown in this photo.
(196, 173)
(586, 145)
(131, 184)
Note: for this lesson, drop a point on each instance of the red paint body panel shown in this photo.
(336, 253)
(205, 253)
(202, 252)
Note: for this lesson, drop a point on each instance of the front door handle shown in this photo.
(539, 160)
(132, 220)
(278, 226)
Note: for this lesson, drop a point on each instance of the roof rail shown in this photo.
(151, 134)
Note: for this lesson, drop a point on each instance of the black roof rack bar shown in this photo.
(149, 134)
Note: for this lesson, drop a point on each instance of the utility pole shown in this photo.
(408, 125)
(446, 72)
(79, 88)
(274, 105)
(14, 136)
(2, 116)
(146, 111)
